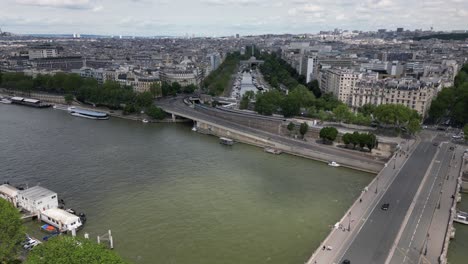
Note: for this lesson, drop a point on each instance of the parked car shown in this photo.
(385, 206)
(30, 244)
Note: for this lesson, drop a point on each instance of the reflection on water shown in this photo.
(170, 195)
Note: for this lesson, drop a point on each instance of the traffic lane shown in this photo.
(376, 237)
(413, 238)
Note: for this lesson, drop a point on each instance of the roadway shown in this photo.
(423, 236)
(350, 157)
(377, 234)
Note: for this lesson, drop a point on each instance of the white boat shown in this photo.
(88, 114)
(273, 151)
(5, 101)
(194, 129)
(145, 121)
(333, 164)
(226, 141)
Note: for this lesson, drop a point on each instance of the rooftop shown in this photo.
(36, 193)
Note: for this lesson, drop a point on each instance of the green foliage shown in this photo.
(110, 94)
(143, 100)
(368, 140)
(189, 88)
(342, 113)
(328, 134)
(155, 112)
(11, 232)
(68, 98)
(465, 131)
(367, 109)
(452, 103)
(414, 126)
(395, 115)
(155, 89)
(303, 128)
(219, 79)
(291, 126)
(246, 97)
(267, 103)
(276, 70)
(69, 250)
(313, 86)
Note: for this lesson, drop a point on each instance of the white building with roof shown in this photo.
(61, 219)
(37, 199)
(9, 193)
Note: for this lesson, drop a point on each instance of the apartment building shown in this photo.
(339, 82)
(410, 92)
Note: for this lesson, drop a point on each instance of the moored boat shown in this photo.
(145, 121)
(88, 114)
(333, 164)
(29, 102)
(226, 141)
(273, 151)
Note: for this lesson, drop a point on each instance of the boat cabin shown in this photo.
(226, 141)
(61, 219)
(37, 199)
(9, 193)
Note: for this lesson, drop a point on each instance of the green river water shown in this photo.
(171, 195)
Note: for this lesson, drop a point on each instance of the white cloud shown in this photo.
(310, 8)
(71, 4)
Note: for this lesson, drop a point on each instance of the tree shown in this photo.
(303, 129)
(155, 89)
(68, 98)
(70, 250)
(267, 103)
(291, 127)
(355, 137)
(189, 88)
(367, 109)
(342, 113)
(313, 86)
(414, 126)
(328, 134)
(246, 97)
(11, 232)
(144, 99)
(155, 112)
(347, 138)
(290, 107)
(371, 141)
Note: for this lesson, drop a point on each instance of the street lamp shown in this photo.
(377, 184)
(394, 163)
(349, 221)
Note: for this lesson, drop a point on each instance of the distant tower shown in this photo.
(253, 48)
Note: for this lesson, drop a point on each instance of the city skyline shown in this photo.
(223, 17)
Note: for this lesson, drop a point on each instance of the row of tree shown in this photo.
(277, 72)
(451, 104)
(218, 80)
(110, 94)
(61, 249)
(362, 140)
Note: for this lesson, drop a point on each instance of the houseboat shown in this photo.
(226, 141)
(29, 102)
(88, 114)
(461, 217)
(61, 219)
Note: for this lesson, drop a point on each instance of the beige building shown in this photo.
(183, 77)
(410, 92)
(339, 82)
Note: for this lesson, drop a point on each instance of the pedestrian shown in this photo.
(360, 200)
(323, 248)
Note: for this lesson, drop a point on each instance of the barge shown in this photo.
(226, 141)
(29, 102)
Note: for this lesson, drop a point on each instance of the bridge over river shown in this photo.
(263, 131)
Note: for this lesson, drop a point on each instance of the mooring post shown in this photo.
(111, 240)
(98, 240)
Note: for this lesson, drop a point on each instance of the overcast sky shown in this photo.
(226, 17)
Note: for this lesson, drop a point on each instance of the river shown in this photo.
(171, 195)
